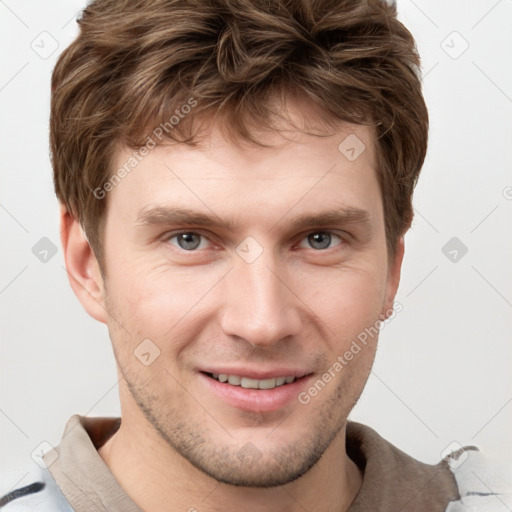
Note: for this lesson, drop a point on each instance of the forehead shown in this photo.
(296, 171)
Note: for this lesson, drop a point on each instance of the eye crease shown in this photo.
(189, 240)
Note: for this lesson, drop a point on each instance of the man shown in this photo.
(235, 180)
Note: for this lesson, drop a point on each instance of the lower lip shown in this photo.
(256, 400)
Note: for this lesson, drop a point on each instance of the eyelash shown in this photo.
(342, 240)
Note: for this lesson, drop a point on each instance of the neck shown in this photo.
(158, 478)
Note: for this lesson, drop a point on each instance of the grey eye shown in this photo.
(322, 240)
(319, 240)
(188, 241)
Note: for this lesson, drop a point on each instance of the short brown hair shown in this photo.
(136, 63)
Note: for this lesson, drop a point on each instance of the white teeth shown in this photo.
(267, 383)
(248, 383)
(234, 380)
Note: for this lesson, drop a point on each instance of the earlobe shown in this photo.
(393, 280)
(82, 267)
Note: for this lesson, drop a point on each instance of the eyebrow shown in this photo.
(160, 215)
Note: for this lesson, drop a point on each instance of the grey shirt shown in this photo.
(392, 480)
(73, 477)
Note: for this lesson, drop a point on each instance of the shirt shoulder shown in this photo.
(465, 480)
(29, 487)
(484, 484)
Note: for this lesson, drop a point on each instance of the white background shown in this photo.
(443, 369)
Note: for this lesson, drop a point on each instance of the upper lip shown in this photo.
(252, 373)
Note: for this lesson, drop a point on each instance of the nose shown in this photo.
(260, 306)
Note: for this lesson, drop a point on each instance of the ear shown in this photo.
(393, 279)
(82, 266)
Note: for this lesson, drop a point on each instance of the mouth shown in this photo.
(271, 393)
(248, 383)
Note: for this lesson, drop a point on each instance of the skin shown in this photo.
(298, 304)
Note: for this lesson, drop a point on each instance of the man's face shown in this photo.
(274, 294)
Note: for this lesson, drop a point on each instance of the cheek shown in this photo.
(158, 303)
(347, 301)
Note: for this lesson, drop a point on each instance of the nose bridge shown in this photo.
(259, 307)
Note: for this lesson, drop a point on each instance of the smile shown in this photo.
(247, 383)
(274, 389)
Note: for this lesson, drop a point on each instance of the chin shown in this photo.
(261, 472)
